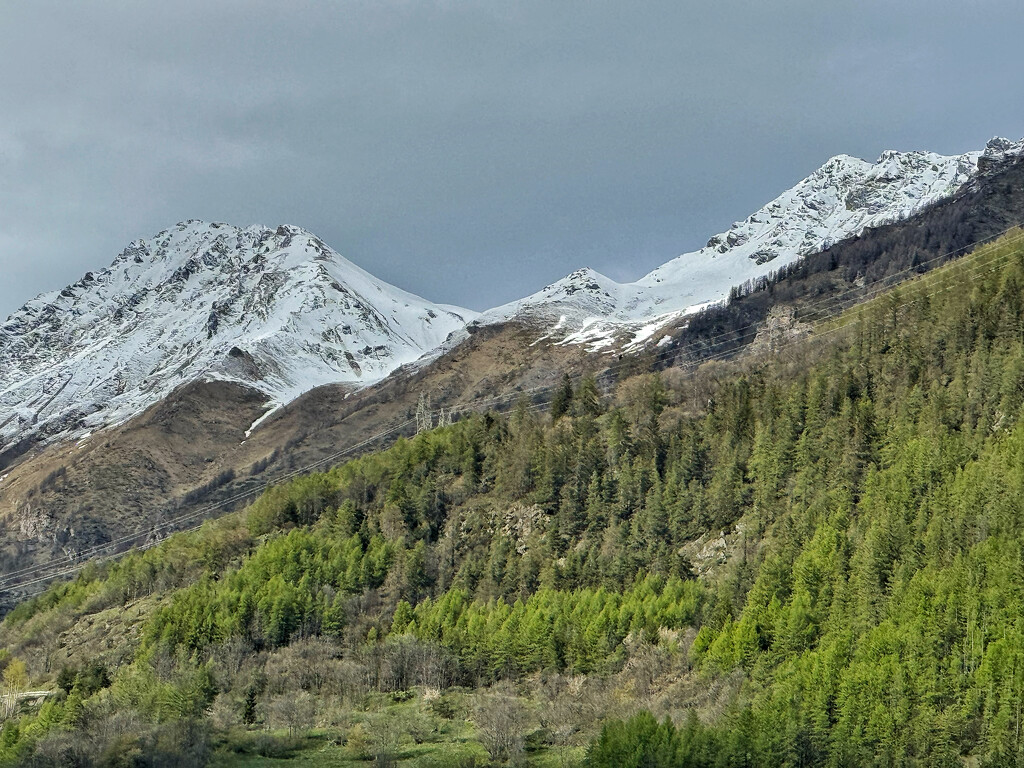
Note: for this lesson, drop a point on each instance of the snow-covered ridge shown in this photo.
(839, 200)
(280, 311)
(274, 309)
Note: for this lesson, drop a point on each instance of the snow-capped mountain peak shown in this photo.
(841, 199)
(275, 309)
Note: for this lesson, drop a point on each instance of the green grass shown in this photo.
(333, 755)
(454, 746)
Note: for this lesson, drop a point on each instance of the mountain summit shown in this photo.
(276, 310)
(841, 199)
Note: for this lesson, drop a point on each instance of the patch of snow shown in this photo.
(274, 407)
(645, 332)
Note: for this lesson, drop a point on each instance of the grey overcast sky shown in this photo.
(470, 152)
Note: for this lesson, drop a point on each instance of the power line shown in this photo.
(175, 521)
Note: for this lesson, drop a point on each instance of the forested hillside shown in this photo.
(812, 557)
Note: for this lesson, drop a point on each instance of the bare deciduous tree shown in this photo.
(294, 711)
(501, 721)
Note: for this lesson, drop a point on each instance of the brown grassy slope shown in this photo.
(63, 499)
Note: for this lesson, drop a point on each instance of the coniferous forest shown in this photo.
(811, 555)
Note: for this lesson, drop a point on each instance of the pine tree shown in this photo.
(563, 398)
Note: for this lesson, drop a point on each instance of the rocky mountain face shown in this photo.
(275, 310)
(281, 312)
(842, 199)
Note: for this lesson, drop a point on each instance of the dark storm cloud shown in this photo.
(469, 152)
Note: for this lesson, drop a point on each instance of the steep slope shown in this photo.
(275, 310)
(66, 498)
(861, 607)
(857, 268)
(842, 199)
(162, 470)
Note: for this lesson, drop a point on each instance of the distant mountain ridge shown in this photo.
(279, 311)
(841, 199)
